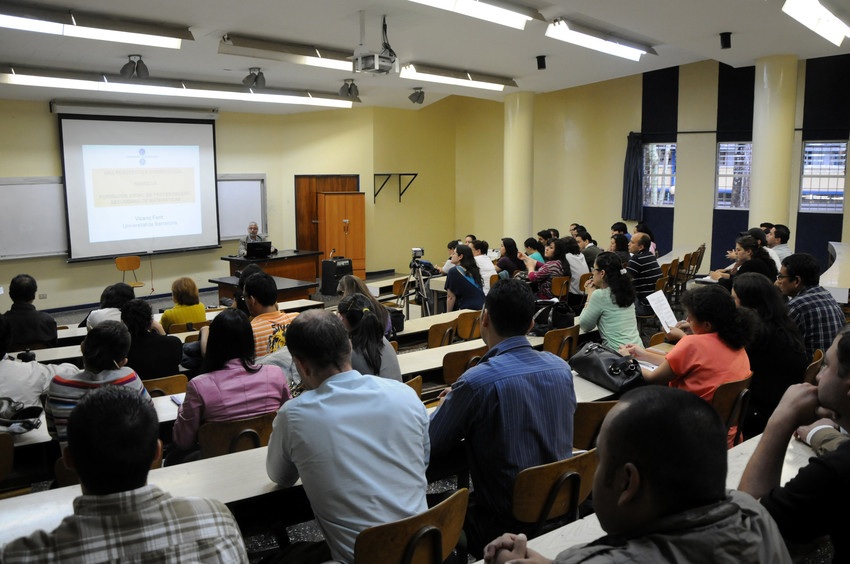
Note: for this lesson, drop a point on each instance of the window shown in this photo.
(659, 174)
(734, 162)
(823, 177)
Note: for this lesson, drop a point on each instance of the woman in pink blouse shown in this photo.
(231, 386)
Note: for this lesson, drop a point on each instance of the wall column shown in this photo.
(774, 108)
(519, 165)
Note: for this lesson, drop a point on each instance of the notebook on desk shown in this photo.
(260, 249)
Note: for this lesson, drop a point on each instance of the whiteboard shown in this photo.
(241, 200)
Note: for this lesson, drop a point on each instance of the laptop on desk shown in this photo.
(260, 249)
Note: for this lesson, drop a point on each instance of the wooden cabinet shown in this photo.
(342, 226)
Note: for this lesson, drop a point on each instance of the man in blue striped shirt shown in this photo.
(512, 411)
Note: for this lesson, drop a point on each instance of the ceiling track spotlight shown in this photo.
(255, 78)
(134, 68)
(349, 89)
(418, 96)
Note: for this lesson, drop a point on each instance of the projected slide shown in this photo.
(137, 192)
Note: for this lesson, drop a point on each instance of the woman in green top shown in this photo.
(610, 304)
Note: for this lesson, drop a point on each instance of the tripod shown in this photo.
(415, 287)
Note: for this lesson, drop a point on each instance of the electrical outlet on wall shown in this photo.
(42, 296)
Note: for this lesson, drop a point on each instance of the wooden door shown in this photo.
(306, 209)
(342, 227)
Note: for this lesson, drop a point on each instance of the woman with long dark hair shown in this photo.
(620, 246)
(351, 285)
(231, 385)
(152, 354)
(610, 303)
(776, 351)
(509, 261)
(464, 287)
(542, 273)
(751, 257)
(371, 352)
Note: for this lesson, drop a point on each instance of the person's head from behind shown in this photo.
(452, 245)
(608, 272)
(106, 346)
(711, 309)
(757, 291)
(355, 310)
(350, 285)
(571, 246)
(116, 295)
(112, 440)
(246, 273)
(260, 292)
(5, 336)
(661, 451)
(184, 291)
(799, 271)
(619, 243)
(554, 233)
(230, 337)
(137, 315)
(22, 289)
(319, 344)
(619, 227)
(833, 380)
(480, 247)
(532, 245)
(757, 234)
(643, 227)
(508, 310)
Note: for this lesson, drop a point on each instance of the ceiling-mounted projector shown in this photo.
(375, 64)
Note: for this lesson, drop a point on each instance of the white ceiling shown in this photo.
(681, 31)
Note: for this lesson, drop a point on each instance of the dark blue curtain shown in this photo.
(633, 179)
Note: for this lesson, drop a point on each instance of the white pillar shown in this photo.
(519, 164)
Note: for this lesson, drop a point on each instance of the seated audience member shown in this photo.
(811, 504)
(464, 287)
(644, 270)
(359, 443)
(509, 260)
(610, 303)
(104, 351)
(578, 266)
(776, 352)
(513, 383)
(751, 258)
(485, 264)
(576, 228)
(469, 240)
(187, 304)
(660, 492)
(620, 246)
(541, 274)
(152, 354)
(588, 247)
(371, 352)
(816, 313)
(230, 386)
(777, 240)
(620, 228)
(642, 227)
(761, 239)
(449, 265)
(554, 233)
(112, 442)
(534, 249)
(239, 293)
(25, 381)
(351, 285)
(543, 235)
(766, 227)
(112, 299)
(268, 322)
(28, 325)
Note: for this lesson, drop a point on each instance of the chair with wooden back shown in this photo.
(657, 338)
(416, 384)
(186, 327)
(813, 368)
(562, 342)
(672, 275)
(441, 334)
(552, 491)
(587, 421)
(166, 386)
(394, 345)
(683, 273)
(582, 281)
(696, 261)
(224, 437)
(730, 401)
(457, 362)
(561, 286)
(427, 538)
(129, 264)
(7, 464)
(493, 279)
(468, 325)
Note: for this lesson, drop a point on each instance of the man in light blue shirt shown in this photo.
(359, 443)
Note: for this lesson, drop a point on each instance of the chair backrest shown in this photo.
(125, 264)
(684, 268)
(657, 338)
(224, 437)
(7, 455)
(561, 286)
(194, 337)
(813, 368)
(562, 342)
(553, 490)
(587, 421)
(696, 262)
(730, 401)
(441, 334)
(468, 325)
(665, 269)
(427, 538)
(493, 279)
(166, 385)
(457, 362)
(582, 280)
(416, 384)
(661, 283)
(394, 345)
(186, 327)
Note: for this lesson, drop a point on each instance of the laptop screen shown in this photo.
(259, 249)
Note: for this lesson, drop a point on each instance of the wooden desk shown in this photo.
(417, 329)
(287, 288)
(296, 264)
(836, 278)
(384, 285)
(71, 335)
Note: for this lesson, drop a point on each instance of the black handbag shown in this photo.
(607, 368)
(552, 315)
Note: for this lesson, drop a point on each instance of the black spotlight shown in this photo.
(255, 78)
(417, 97)
(134, 68)
(726, 40)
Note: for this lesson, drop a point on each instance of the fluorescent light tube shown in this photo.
(501, 15)
(454, 77)
(814, 16)
(121, 36)
(592, 39)
(287, 52)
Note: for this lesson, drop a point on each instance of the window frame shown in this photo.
(663, 181)
(839, 180)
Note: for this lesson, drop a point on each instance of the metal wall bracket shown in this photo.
(386, 178)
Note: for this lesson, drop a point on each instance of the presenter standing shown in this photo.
(253, 236)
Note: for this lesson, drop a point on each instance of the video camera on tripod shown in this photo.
(420, 270)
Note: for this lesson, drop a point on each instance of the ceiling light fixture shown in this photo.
(349, 89)
(98, 82)
(817, 18)
(493, 11)
(597, 40)
(288, 52)
(418, 96)
(255, 78)
(417, 71)
(135, 68)
(70, 23)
